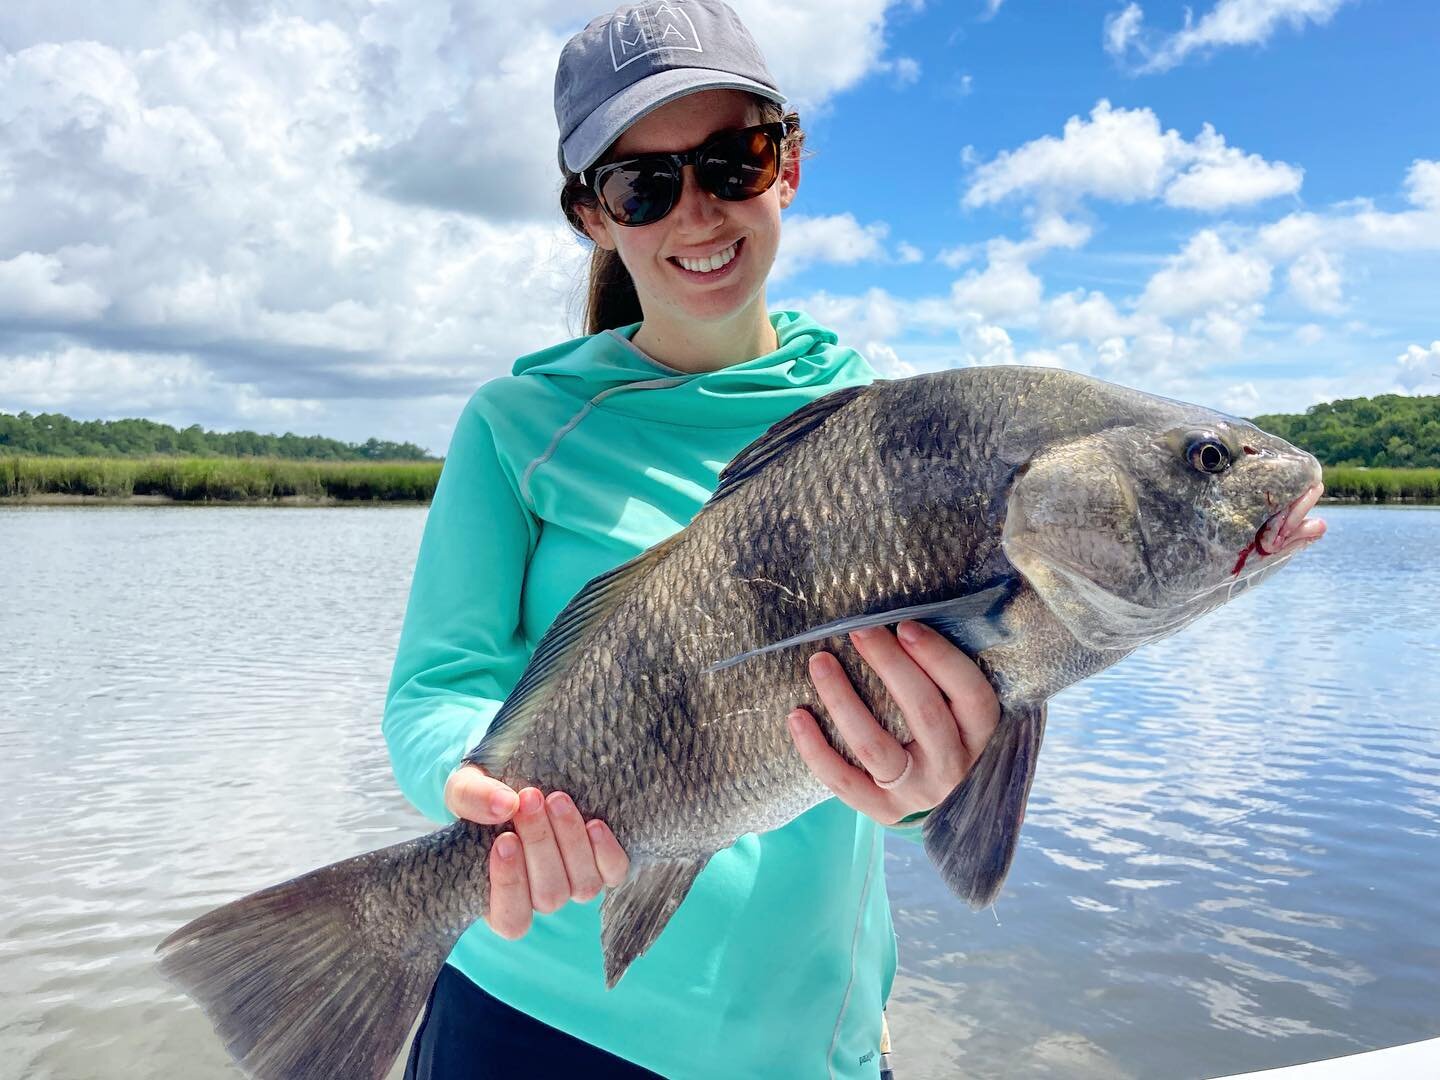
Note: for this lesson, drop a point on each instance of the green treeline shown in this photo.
(56, 435)
(1391, 430)
(218, 479)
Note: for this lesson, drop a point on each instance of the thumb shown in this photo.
(477, 797)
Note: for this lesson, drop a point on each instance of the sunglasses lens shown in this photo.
(639, 194)
(740, 166)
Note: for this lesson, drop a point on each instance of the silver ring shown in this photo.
(888, 784)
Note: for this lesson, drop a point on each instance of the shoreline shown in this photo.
(62, 499)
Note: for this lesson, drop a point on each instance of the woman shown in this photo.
(780, 959)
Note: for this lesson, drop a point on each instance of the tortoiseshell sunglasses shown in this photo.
(733, 165)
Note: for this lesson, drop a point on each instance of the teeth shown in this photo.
(712, 262)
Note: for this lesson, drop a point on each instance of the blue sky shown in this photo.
(339, 216)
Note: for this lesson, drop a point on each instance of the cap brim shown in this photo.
(603, 126)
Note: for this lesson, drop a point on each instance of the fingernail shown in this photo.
(505, 845)
(500, 803)
(560, 802)
(909, 632)
(530, 801)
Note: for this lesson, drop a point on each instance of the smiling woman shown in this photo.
(612, 299)
(777, 952)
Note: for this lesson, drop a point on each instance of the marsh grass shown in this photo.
(268, 479)
(1382, 485)
(219, 479)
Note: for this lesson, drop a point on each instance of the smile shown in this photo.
(716, 265)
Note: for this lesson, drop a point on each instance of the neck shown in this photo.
(708, 346)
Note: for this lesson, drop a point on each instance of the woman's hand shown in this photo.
(947, 702)
(552, 856)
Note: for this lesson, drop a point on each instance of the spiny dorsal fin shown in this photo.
(586, 609)
(780, 437)
(633, 914)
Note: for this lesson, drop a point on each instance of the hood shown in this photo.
(608, 370)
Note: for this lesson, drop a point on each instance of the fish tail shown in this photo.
(971, 836)
(322, 976)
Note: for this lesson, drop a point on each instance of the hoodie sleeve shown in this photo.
(462, 647)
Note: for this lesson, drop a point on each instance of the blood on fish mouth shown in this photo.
(1286, 529)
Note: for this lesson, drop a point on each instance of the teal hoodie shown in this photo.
(780, 959)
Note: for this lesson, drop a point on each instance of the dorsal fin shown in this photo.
(595, 600)
(780, 437)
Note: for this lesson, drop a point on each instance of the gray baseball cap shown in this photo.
(640, 56)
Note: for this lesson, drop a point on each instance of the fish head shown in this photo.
(1132, 531)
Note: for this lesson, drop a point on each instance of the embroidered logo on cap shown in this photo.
(646, 27)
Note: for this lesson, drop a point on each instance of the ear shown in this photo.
(789, 177)
(596, 225)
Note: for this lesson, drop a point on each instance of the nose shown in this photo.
(696, 205)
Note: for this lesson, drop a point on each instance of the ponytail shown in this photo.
(610, 297)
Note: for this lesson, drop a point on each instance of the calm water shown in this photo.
(1231, 859)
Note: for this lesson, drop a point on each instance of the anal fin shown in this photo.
(633, 914)
(971, 836)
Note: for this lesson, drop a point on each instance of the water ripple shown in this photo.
(1230, 857)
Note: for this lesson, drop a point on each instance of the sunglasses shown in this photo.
(733, 165)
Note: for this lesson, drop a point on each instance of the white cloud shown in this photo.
(1359, 226)
(906, 70)
(1003, 290)
(1228, 23)
(1315, 281)
(1223, 176)
(908, 253)
(958, 256)
(30, 289)
(835, 238)
(330, 205)
(1121, 28)
(1089, 316)
(1418, 369)
(1123, 156)
(1007, 287)
(1206, 275)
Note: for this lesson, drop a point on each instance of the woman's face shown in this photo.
(700, 224)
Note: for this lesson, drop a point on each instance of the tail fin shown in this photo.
(971, 836)
(321, 976)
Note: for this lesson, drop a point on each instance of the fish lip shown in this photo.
(1284, 530)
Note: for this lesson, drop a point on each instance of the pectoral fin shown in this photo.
(972, 622)
(633, 914)
(971, 836)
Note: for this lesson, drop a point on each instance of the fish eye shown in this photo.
(1208, 454)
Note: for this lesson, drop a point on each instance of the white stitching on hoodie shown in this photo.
(568, 426)
(854, 939)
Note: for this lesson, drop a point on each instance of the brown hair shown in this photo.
(610, 299)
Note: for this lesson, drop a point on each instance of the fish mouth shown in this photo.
(1287, 530)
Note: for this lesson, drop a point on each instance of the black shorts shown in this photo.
(468, 1035)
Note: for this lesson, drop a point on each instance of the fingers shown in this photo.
(852, 786)
(576, 852)
(973, 703)
(610, 857)
(474, 796)
(878, 751)
(928, 715)
(549, 883)
(510, 909)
